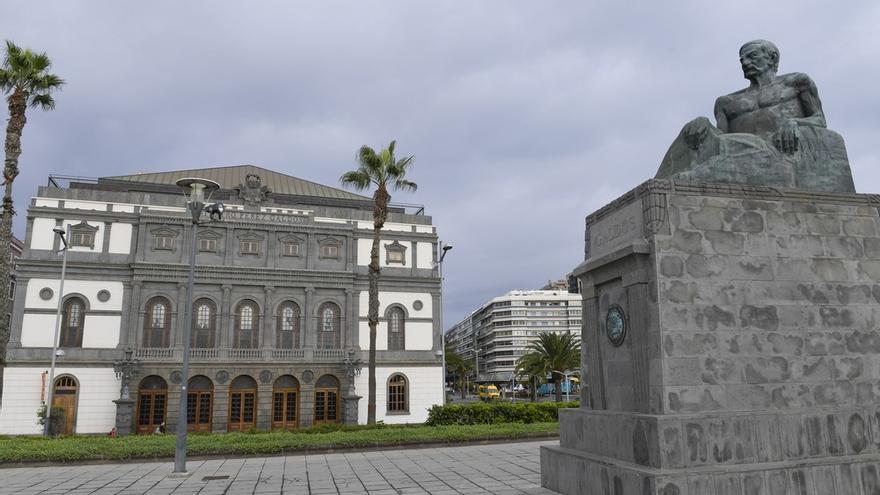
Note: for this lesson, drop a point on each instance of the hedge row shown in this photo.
(90, 448)
(496, 413)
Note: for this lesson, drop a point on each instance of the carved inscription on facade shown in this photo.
(245, 216)
(616, 230)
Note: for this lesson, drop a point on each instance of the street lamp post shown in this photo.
(195, 190)
(443, 250)
(63, 235)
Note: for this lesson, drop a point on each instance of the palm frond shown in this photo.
(359, 179)
(405, 185)
(44, 101)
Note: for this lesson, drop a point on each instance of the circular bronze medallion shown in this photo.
(615, 325)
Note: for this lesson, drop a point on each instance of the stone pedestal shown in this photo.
(124, 416)
(350, 409)
(751, 351)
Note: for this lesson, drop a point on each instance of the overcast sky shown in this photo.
(523, 116)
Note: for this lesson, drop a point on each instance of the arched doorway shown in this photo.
(285, 406)
(199, 403)
(327, 400)
(65, 397)
(152, 401)
(242, 404)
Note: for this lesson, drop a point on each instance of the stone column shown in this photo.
(350, 328)
(310, 338)
(350, 409)
(224, 329)
(266, 320)
(181, 314)
(128, 332)
(134, 307)
(124, 416)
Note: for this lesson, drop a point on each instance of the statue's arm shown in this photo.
(808, 95)
(720, 115)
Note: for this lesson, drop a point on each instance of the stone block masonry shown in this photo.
(751, 363)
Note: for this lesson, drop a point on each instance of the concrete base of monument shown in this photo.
(818, 451)
(731, 345)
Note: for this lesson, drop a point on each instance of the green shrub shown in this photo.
(496, 413)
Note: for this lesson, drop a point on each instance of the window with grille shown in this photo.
(397, 394)
(157, 323)
(163, 242)
(328, 335)
(288, 333)
(396, 330)
(72, 323)
(395, 253)
(247, 326)
(204, 312)
(82, 239)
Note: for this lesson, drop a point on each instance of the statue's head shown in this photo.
(757, 57)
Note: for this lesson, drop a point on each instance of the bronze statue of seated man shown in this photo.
(772, 133)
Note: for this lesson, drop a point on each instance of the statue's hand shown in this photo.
(695, 132)
(789, 136)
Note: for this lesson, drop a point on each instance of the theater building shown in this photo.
(279, 306)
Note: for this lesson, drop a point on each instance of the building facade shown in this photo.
(279, 306)
(500, 331)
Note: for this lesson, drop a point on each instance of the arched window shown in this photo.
(152, 399)
(287, 326)
(204, 323)
(284, 403)
(199, 403)
(157, 323)
(242, 403)
(327, 400)
(247, 325)
(72, 323)
(397, 394)
(396, 330)
(328, 326)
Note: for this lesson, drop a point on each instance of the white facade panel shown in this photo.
(37, 330)
(424, 386)
(85, 205)
(99, 236)
(363, 251)
(405, 299)
(96, 412)
(120, 238)
(419, 335)
(50, 203)
(42, 236)
(331, 220)
(125, 208)
(365, 245)
(101, 331)
(86, 288)
(425, 255)
(425, 229)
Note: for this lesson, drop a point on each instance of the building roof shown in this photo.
(230, 178)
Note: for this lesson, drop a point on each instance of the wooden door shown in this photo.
(65, 397)
(199, 410)
(326, 405)
(151, 411)
(285, 409)
(242, 410)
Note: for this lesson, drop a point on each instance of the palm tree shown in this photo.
(556, 352)
(383, 170)
(533, 366)
(459, 366)
(24, 77)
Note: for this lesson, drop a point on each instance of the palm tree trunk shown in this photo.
(557, 379)
(380, 213)
(14, 128)
(533, 393)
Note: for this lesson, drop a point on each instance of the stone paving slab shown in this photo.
(496, 469)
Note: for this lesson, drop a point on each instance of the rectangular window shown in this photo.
(207, 245)
(85, 239)
(249, 247)
(164, 242)
(395, 256)
(289, 249)
(329, 251)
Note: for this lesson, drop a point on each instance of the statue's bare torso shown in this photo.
(762, 110)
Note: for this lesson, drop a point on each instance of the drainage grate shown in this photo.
(214, 478)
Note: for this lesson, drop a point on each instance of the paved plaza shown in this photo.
(501, 469)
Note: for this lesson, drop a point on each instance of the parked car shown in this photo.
(488, 392)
